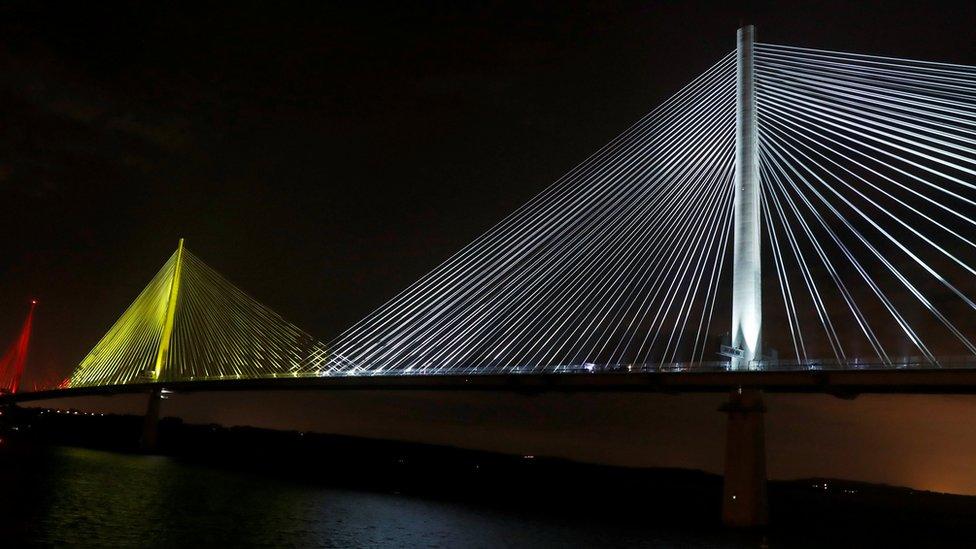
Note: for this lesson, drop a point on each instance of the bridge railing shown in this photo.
(899, 363)
(853, 364)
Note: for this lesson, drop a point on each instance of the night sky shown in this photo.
(324, 156)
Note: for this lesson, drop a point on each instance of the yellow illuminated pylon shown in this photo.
(174, 289)
(190, 323)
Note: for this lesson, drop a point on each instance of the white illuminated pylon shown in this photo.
(746, 253)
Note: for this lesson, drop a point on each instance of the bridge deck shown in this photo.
(842, 383)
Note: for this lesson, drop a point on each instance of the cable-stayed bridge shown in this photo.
(792, 219)
(858, 209)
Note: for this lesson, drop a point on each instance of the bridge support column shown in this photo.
(744, 495)
(150, 423)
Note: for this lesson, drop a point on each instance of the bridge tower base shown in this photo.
(744, 496)
(150, 424)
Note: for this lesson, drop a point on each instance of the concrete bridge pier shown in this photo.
(150, 424)
(744, 496)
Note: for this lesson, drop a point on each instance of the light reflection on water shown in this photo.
(69, 496)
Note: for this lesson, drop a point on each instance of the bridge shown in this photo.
(791, 220)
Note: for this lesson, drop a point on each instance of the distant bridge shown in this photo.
(850, 178)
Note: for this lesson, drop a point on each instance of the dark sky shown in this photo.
(323, 156)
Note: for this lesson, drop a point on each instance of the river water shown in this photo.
(69, 496)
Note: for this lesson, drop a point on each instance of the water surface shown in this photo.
(69, 496)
